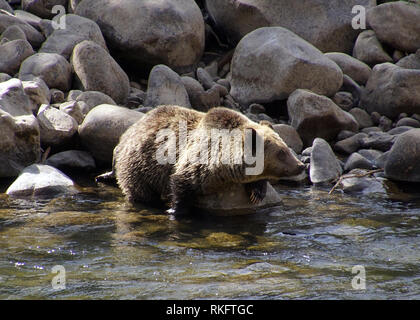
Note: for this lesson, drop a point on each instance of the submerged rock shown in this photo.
(41, 180)
(236, 202)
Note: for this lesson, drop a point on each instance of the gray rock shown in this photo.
(13, 99)
(344, 100)
(12, 54)
(385, 123)
(314, 116)
(378, 140)
(411, 61)
(57, 127)
(351, 144)
(289, 136)
(73, 109)
(41, 180)
(13, 32)
(74, 94)
(370, 154)
(362, 118)
(365, 185)
(34, 37)
(324, 165)
(93, 99)
(408, 122)
(200, 99)
(403, 161)
(96, 70)
(72, 159)
(355, 69)
(57, 96)
(357, 161)
(392, 90)
(78, 29)
(102, 127)
(6, 6)
(29, 18)
(376, 117)
(42, 8)
(236, 202)
(205, 78)
(380, 162)
(399, 130)
(19, 143)
(307, 152)
(344, 134)
(397, 24)
(264, 54)
(147, 33)
(4, 77)
(166, 88)
(369, 50)
(37, 91)
(326, 24)
(50, 67)
(371, 129)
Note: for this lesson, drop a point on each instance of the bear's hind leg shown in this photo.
(256, 191)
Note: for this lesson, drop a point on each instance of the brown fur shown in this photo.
(143, 179)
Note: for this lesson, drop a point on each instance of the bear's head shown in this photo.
(279, 160)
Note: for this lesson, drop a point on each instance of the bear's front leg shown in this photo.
(182, 194)
(256, 191)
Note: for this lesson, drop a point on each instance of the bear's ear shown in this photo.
(266, 123)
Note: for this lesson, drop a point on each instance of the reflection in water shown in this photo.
(304, 248)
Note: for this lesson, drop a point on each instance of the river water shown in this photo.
(303, 249)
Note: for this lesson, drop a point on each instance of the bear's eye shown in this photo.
(281, 154)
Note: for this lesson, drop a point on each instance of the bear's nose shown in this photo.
(301, 166)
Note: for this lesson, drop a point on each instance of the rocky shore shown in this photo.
(74, 75)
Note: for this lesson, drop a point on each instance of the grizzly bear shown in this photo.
(176, 154)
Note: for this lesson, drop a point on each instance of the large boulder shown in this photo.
(236, 202)
(355, 69)
(150, 32)
(324, 166)
(78, 29)
(13, 99)
(19, 143)
(397, 24)
(102, 127)
(12, 54)
(270, 63)
(166, 87)
(41, 180)
(403, 160)
(392, 90)
(96, 70)
(327, 24)
(34, 37)
(315, 116)
(53, 68)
